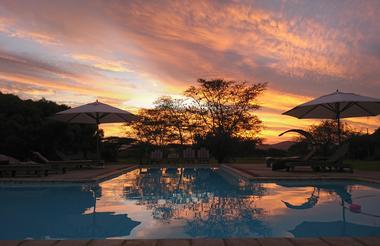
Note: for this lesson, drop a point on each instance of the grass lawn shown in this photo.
(364, 165)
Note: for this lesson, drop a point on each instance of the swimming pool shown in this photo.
(189, 203)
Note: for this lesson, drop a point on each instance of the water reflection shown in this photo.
(212, 202)
(188, 203)
(332, 228)
(340, 190)
(57, 212)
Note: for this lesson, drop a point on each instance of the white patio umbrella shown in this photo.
(95, 113)
(337, 105)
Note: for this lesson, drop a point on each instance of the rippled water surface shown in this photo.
(189, 203)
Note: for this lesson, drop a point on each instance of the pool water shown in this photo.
(189, 203)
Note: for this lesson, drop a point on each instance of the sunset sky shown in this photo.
(128, 53)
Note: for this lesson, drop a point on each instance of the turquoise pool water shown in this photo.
(189, 203)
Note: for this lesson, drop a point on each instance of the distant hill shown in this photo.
(281, 145)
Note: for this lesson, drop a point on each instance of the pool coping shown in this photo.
(265, 241)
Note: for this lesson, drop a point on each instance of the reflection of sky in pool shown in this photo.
(189, 203)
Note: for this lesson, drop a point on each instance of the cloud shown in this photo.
(129, 52)
(98, 62)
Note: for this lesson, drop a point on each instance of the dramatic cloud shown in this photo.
(129, 52)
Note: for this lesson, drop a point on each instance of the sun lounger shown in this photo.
(335, 161)
(280, 163)
(76, 157)
(156, 156)
(62, 166)
(12, 166)
(30, 169)
(173, 158)
(188, 155)
(203, 156)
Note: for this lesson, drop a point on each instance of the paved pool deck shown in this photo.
(86, 175)
(262, 172)
(362, 241)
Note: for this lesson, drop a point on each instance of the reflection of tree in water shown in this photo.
(212, 203)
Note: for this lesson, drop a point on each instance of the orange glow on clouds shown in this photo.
(129, 53)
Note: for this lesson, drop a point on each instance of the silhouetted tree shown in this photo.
(325, 134)
(177, 117)
(225, 109)
(152, 127)
(365, 146)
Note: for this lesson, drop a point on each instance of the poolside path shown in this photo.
(261, 172)
(77, 176)
(363, 241)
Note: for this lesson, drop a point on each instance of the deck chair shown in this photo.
(188, 155)
(280, 163)
(62, 166)
(173, 158)
(335, 161)
(203, 156)
(156, 156)
(12, 166)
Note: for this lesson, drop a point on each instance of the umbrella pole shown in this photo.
(338, 119)
(339, 133)
(97, 138)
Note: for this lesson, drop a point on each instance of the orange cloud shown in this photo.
(129, 53)
(98, 62)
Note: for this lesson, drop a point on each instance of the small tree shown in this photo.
(152, 127)
(177, 117)
(325, 134)
(225, 111)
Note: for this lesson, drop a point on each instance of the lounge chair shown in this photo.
(14, 166)
(173, 158)
(279, 162)
(156, 156)
(203, 156)
(335, 161)
(62, 166)
(188, 155)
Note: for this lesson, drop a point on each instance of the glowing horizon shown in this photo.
(128, 54)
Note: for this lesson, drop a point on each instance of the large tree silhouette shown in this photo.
(226, 110)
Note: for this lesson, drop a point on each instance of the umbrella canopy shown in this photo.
(337, 105)
(95, 113)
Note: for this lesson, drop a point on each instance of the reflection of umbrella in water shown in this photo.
(100, 225)
(58, 212)
(334, 229)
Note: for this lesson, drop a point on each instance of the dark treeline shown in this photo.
(215, 114)
(25, 127)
